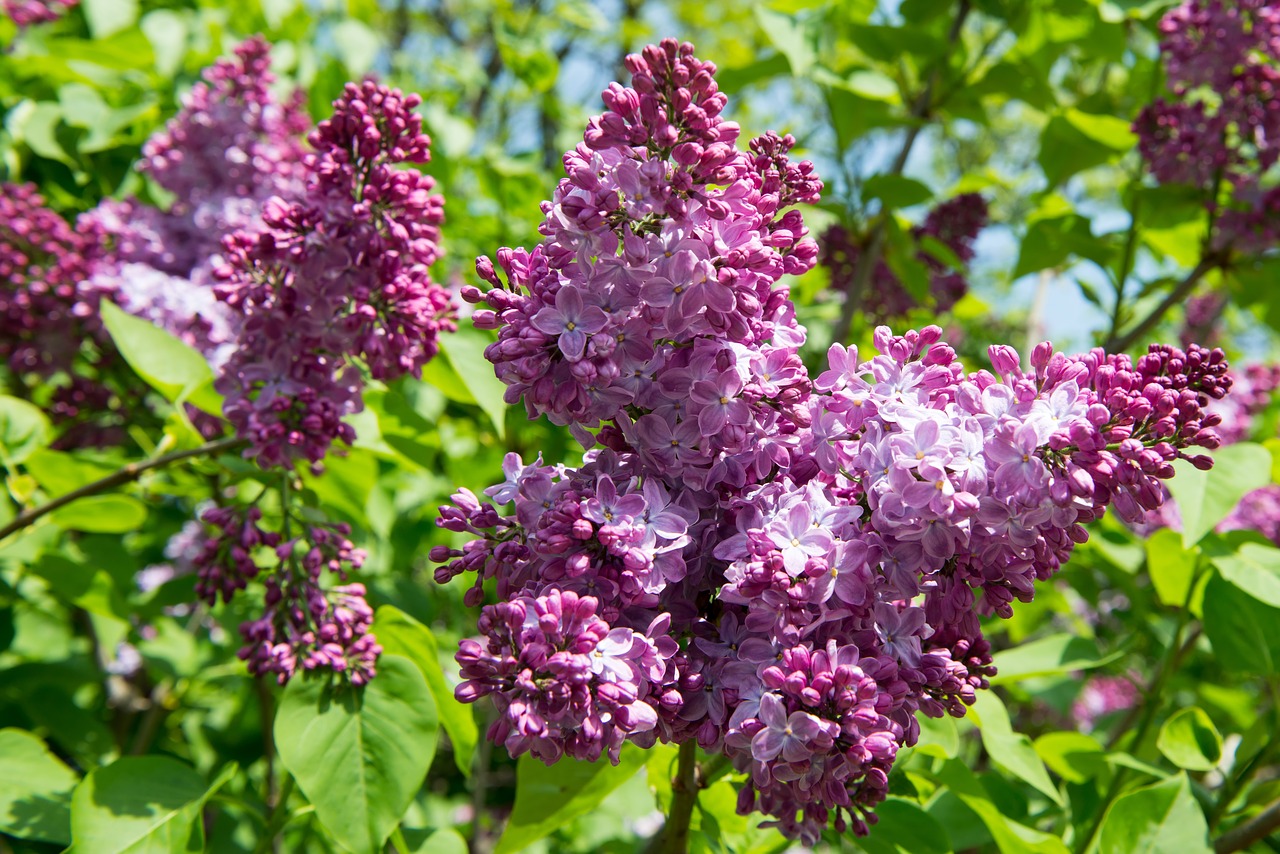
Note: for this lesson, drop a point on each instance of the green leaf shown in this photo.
(1157, 819)
(400, 634)
(896, 191)
(1073, 756)
(1241, 629)
(35, 789)
(1190, 740)
(789, 36)
(1010, 836)
(359, 754)
(1206, 497)
(139, 804)
(110, 16)
(82, 584)
(102, 514)
(1009, 750)
(1255, 569)
(1111, 131)
(1065, 149)
(167, 31)
(1063, 653)
(938, 736)
(168, 365)
(444, 841)
(1171, 566)
(1051, 241)
(24, 429)
(903, 827)
(465, 351)
(548, 797)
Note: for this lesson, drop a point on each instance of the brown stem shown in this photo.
(121, 476)
(1254, 830)
(870, 256)
(1179, 294)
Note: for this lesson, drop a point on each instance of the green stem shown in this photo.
(279, 816)
(674, 836)
(398, 841)
(1234, 783)
(121, 476)
(1178, 648)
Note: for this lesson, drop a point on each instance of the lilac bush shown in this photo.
(781, 568)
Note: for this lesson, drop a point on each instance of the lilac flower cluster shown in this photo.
(45, 309)
(954, 223)
(231, 147)
(1101, 696)
(333, 280)
(781, 569)
(304, 627)
(27, 13)
(1221, 125)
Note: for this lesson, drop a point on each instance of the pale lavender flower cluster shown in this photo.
(232, 146)
(785, 570)
(954, 223)
(27, 13)
(304, 626)
(1222, 124)
(334, 280)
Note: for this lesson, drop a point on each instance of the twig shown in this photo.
(121, 476)
(1254, 830)
(278, 819)
(1177, 295)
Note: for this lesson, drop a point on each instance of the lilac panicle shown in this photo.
(784, 569)
(334, 280)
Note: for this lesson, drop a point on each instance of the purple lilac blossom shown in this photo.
(782, 569)
(26, 13)
(231, 147)
(1220, 125)
(335, 280)
(954, 223)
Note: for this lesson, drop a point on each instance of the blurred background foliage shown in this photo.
(902, 106)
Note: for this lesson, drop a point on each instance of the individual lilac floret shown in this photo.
(335, 280)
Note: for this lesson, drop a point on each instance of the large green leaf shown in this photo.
(1055, 654)
(464, 350)
(140, 805)
(548, 797)
(1255, 569)
(1241, 629)
(790, 37)
(101, 514)
(1172, 567)
(1010, 750)
(1010, 836)
(359, 754)
(168, 365)
(1206, 497)
(1155, 820)
(903, 827)
(1190, 740)
(1073, 756)
(35, 789)
(24, 429)
(400, 634)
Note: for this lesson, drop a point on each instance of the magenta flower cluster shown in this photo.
(954, 223)
(334, 281)
(27, 13)
(781, 568)
(231, 147)
(304, 627)
(1221, 125)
